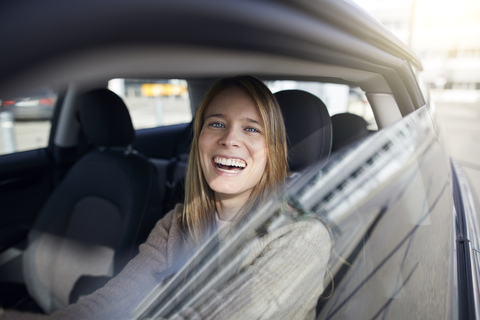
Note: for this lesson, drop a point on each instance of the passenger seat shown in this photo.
(92, 223)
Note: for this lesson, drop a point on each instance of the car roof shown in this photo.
(95, 41)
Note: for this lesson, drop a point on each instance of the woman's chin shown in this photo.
(229, 191)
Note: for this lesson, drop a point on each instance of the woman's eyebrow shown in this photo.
(215, 115)
(223, 116)
(252, 121)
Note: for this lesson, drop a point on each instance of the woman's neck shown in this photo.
(228, 206)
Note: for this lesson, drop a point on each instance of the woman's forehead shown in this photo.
(233, 102)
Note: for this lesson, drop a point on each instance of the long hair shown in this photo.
(199, 207)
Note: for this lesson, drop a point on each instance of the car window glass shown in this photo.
(154, 102)
(384, 200)
(338, 98)
(25, 120)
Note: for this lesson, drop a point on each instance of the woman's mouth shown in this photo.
(229, 165)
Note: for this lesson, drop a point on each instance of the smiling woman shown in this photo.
(237, 165)
(232, 147)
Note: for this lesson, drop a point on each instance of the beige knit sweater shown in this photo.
(280, 278)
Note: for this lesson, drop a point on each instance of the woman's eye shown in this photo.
(217, 125)
(252, 130)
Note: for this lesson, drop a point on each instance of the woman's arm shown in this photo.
(115, 300)
(119, 297)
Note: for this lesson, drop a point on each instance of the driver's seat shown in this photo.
(308, 126)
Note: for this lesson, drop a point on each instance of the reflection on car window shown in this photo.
(154, 102)
(25, 120)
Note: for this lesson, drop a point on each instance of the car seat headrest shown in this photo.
(308, 126)
(347, 128)
(105, 119)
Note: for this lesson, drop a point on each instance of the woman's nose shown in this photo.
(230, 138)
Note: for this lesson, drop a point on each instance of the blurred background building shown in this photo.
(446, 36)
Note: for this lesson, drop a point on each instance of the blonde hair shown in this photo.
(199, 207)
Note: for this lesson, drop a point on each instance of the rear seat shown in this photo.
(348, 128)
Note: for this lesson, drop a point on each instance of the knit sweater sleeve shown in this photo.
(282, 278)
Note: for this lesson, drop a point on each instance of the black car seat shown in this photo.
(347, 128)
(308, 126)
(91, 224)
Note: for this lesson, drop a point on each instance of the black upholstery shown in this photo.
(308, 125)
(105, 119)
(93, 221)
(347, 128)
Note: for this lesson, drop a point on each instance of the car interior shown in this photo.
(120, 181)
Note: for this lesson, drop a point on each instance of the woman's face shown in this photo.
(232, 144)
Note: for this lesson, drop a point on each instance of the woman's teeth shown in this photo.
(229, 165)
